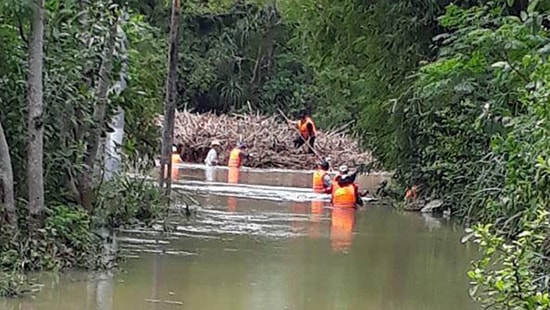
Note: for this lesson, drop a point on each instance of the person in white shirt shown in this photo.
(212, 157)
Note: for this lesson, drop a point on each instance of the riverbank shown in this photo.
(70, 237)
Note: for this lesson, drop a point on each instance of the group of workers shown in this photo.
(343, 188)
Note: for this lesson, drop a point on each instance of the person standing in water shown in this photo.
(211, 161)
(212, 157)
(345, 191)
(237, 155)
(177, 151)
(321, 179)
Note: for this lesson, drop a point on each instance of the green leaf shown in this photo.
(532, 6)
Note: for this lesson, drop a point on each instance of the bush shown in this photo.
(127, 200)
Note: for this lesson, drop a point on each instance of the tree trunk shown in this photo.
(170, 98)
(35, 110)
(86, 179)
(6, 178)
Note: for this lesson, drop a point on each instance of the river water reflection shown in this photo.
(238, 251)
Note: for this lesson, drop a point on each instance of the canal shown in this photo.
(265, 241)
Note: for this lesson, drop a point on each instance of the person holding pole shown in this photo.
(307, 130)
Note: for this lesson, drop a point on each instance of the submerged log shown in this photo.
(269, 139)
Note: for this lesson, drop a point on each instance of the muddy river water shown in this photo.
(263, 240)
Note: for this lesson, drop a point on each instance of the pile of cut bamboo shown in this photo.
(267, 138)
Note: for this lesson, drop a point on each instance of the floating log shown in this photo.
(269, 139)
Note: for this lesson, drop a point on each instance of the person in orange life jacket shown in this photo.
(237, 155)
(177, 150)
(342, 171)
(306, 126)
(175, 159)
(347, 194)
(345, 179)
(321, 179)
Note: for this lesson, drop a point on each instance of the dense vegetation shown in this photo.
(454, 97)
(61, 82)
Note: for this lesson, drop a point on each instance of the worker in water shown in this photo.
(321, 179)
(176, 154)
(347, 194)
(212, 156)
(237, 155)
(344, 189)
(343, 171)
(306, 126)
(175, 159)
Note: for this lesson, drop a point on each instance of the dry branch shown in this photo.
(267, 138)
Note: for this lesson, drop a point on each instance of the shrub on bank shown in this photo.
(69, 235)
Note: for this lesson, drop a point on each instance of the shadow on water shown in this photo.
(262, 246)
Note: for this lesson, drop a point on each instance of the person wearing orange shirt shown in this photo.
(238, 155)
(306, 126)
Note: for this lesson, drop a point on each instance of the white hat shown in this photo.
(174, 148)
(215, 142)
(343, 169)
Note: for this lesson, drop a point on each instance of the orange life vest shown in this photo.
(318, 184)
(302, 126)
(344, 197)
(176, 159)
(235, 158)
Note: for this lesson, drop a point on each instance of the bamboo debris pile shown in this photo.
(267, 138)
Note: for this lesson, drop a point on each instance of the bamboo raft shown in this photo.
(269, 139)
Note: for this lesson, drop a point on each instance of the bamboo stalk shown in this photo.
(267, 137)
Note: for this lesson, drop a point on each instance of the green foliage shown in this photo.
(457, 104)
(66, 240)
(463, 101)
(236, 54)
(142, 100)
(127, 200)
(64, 237)
(513, 270)
(362, 53)
(11, 284)
(70, 89)
(506, 276)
